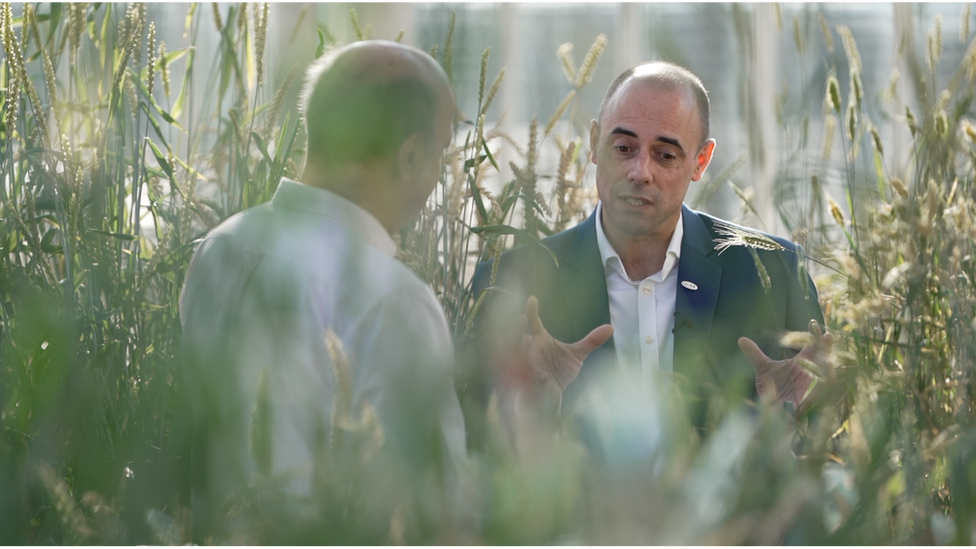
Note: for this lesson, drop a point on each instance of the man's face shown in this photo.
(647, 150)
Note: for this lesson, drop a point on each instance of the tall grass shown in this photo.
(110, 173)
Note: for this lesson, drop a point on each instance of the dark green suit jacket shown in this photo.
(720, 297)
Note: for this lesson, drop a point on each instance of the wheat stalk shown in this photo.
(830, 126)
(933, 44)
(730, 235)
(563, 105)
(851, 122)
(585, 72)
(563, 186)
(483, 74)
(260, 39)
(835, 211)
(276, 103)
(565, 55)
(343, 378)
(218, 22)
(850, 48)
(354, 19)
(828, 37)
(164, 67)
(969, 60)
(832, 95)
(151, 60)
(493, 91)
(448, 59)
(242, 19)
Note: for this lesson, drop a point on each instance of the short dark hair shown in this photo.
(355, 116)
(670, 76)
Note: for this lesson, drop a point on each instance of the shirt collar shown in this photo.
(612, 260)
(313, 200)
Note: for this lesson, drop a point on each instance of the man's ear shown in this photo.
(410, 157)
(703, 158)
(594, 139)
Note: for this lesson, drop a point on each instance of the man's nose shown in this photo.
(640, 169)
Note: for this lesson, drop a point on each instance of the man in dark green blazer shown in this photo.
(699, 299)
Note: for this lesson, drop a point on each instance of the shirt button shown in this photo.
(647, 289)
(649, 340)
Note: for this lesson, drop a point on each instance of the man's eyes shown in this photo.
(665, 155)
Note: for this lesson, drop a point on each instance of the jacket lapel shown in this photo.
(584, 289)
(584, 284)
(699, 279)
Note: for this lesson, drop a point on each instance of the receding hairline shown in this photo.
(668, 77)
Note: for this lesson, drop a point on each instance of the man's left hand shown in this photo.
(787, 379)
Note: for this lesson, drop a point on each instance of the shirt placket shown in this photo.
(649, 344)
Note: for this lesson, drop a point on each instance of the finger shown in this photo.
(760, 362)
(828, 344)
(597, 337)
(815, 330)
(533, 322)
(827, 341)
(816, 347)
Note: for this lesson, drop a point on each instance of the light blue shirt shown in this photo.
(302, 301)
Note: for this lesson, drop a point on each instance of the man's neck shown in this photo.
(357, 185)
(642, 256)
(644, 260)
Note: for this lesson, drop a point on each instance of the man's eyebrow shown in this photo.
(671, 141)
(622, 131)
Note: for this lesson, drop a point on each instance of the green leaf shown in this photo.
(510, 201)
(172, 56)
(472, 162)
(46, 240)
(121, 236)
(476, 194)
(55, 16)
(189, 18)
(163, 163)
(184, 90)
(155, 125)
(284, 156)
(520, 234)
(166, 116)
(320, 50)
(491, 158)
(262, 147)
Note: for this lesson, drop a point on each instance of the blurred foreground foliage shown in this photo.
(110, 174)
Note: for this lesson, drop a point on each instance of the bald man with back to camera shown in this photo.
(685, 311)
(279, 294)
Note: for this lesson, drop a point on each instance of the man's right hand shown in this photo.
(553, 361)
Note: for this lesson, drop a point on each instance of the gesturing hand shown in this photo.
(788, 379)
(553, 360)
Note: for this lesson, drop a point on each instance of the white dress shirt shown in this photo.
(642, 311)
(262, 295)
